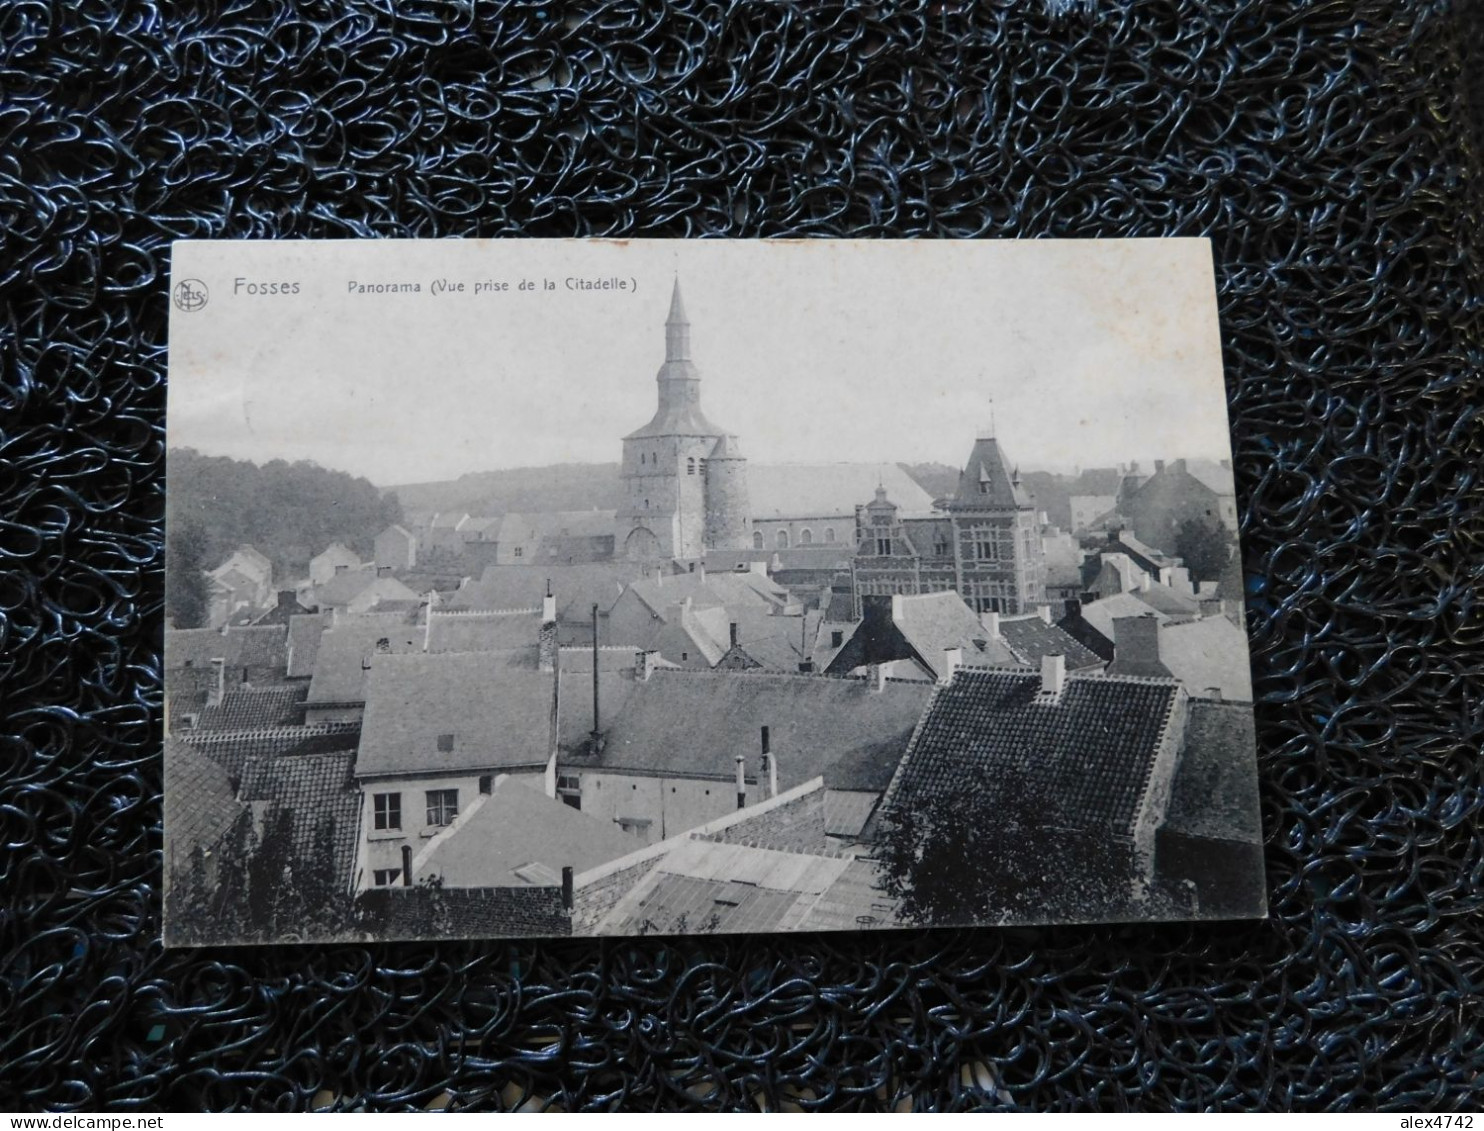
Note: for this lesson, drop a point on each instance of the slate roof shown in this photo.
(1030, 638)
(704, 886)
(320, 792)
(231, 749)
(344, 588)
(1087, 756)
(1163, 599)
(257, 646)
(516, 826)
(497, 706)
(1211, 652)
(1144, 556)
(339, 672)
(200, 805)
(728, 589)
(773, 641)
(828, 490)
(576, 587)
(693, 724)
(483, 631)
(1214, 794)
(337, 553)
(304, 635)
(556, 524)
(249, 708)
(934, 622)
(988, 466)
(1101, 614)
(866, 768)
(1213, 475)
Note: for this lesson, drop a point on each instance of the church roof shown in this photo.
(828, 490)
(677, 420)
(989, 479)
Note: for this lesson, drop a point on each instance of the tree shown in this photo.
(185, 577)
(994, 851)
(1206, 546)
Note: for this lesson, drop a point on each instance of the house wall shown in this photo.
(339, 713)
(819, 527)
(395, 549)
(1161, 779)
(383, 849)
(1085, 508)
(1170, 497)
(671, 805)
(593, 900)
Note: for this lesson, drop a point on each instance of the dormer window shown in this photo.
(445, 744)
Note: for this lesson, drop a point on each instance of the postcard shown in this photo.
(596, 587)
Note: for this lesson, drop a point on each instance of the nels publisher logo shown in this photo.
(190, 295)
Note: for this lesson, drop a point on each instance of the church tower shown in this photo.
(664, 511)
(998, 558)
(728, 511)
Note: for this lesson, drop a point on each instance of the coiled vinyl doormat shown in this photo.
(1330, 151)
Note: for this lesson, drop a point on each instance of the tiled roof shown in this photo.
(252, 708)
(576, 587)
(1030, 638)
(304, 634)
(320, 792)
(828, 490)
(695, 723)
(199, 802)
(514, 827)
(1101, 614)
(496, 705)
(867, 768)
(988, 468)
(257, 646)
(1215, 788)
(483, 631)
(1211, 652)
(231, 749)
(339, 665)
(934, 622)
(1087, 756)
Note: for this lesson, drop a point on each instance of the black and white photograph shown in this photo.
(600, 588)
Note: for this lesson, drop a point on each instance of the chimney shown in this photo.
(741, 782)
(218, 682)
(286, 599)
(548, 606)
(953, 659)
(597, 728)
(878, 677)
(1213, 694)
(733, 628)
(547, 648)
(701, 569)
(1045, 611)
(644, 665)
(1053, 673)
(1136, 646)
(770, 765)
(407, 865)
(1071, 608)
(567, 899)
(991, 622)
(1159, 465)
(806, 667)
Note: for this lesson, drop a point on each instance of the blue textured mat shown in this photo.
(1331, 152)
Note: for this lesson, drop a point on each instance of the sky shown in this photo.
(1080, 353)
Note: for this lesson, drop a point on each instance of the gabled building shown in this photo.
(1179, 491)
(361, 591)
(647, 606)
(395, 548)
(336, 558)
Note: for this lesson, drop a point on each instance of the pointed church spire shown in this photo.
(677, 328)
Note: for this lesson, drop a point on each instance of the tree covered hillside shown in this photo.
(561, 487)
(288, 511)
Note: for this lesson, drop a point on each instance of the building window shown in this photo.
(883, 547)
(987, 550)
(387, 811)
(486, 784)
(757, 539)
(443, 806)
(569, 789)
(690, 466)
(829, 534)
(806, 537)
(445, 744)
(520, 551)
(837, 638)
(940, 549)
(386, 877)
(782, 539)
(984, 488)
